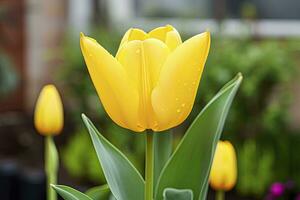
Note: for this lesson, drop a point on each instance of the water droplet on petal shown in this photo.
(185, 84)
(178, 110)
(194, 82)
(183, 105)
(177, 99)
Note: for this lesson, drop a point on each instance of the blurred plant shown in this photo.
(8, 76)
(254, 164)
(80, 150)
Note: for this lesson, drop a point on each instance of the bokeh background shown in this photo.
(39, 44)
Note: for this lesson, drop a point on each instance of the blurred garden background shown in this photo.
(39, 44)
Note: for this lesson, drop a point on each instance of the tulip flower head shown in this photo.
(48, 116)
(223, 174)
(152, 81)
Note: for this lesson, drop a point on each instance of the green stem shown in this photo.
(149, 166)
(220, 195)
(51, 165)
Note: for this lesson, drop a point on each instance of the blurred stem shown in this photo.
(220, 195)
(51, 165)
(149, 166)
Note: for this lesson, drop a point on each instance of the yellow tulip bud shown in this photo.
(48, 116)
(223, 174)
(152, 81)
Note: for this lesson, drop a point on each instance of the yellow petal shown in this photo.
(117, 93)
(142, 60)
(48, 116)
(223, 173)
(174, 95)
(132, 34)
(167, 34)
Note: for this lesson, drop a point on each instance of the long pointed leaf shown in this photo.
(189, 165)
(69, 193)
(124, 181)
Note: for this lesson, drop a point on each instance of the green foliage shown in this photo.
(254, 164)
(268, 67)
(80, 150)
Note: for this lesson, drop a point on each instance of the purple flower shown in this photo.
(277, 189)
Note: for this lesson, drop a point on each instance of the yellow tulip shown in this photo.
(223, 174)
(48, 116)
(152, 81)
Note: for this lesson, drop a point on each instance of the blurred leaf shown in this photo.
(162, 151)
(69, 193)
(189, 165)
(174, 194)
(99, 192)
(79, 149)
(8, 76)
(254, 163)
(122, 177)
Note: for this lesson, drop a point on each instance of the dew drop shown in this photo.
(178, 110)
(185, 84)
(183, 105)
(90, 55)
(177, 99)
(194, 82)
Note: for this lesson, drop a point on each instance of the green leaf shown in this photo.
(175, 194)
(69, 193)
(162, 151)
(99, 192)
(189, 165)
(124, 181)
